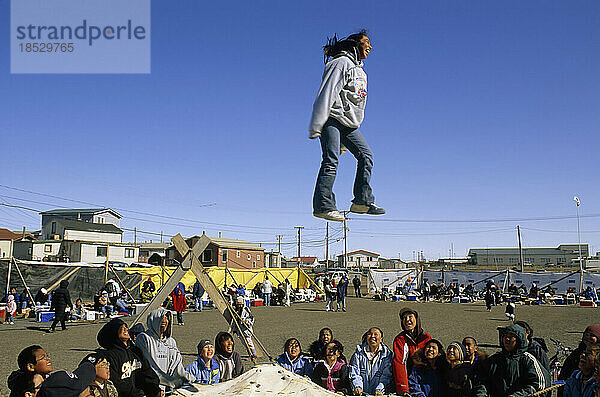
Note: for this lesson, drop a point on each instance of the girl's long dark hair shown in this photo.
(335, 45)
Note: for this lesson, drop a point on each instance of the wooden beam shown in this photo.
(66, 276)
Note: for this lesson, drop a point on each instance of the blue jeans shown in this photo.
(198, 303)
(267, 299)
(332, 134)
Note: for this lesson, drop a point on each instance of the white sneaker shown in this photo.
(330, 215)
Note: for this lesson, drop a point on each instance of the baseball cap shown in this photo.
(67, 383)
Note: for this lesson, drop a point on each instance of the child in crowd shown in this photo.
(230, 362)
(474, 353)
(333, 373)
(535, 346)
(101, 386)
(406, 343)
(458, 375)
(34, 359)
(509, 312)
(11, 309)
(316, 348)
(69, 384)
(425, 379)
(78, 312)
(24, 383)
(179, 303)
(246, 320)
(293, 360)
(371, 365)
(135, 331)
(205, 369)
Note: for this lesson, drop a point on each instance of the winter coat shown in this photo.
(371, 375)
(537, 351)
(302, 365)
(405, 344)
(61, 299)
(108, 390)
(335, 379)
(515, 373)
(11, 306)
(424, 380)
(459, 381)
(229, 367)
(162, 352)
(202, 374)
(198, 290)
(577, 386)
(179, 301)
(130, 371)
(342, 288)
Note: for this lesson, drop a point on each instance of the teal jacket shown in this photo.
(515, 373)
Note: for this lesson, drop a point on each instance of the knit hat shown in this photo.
(203, 343)
(593, 329)
(462, 351)
(68, 384)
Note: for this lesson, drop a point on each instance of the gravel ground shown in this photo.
(444, 321)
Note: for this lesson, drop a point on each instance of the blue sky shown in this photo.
(477, 111)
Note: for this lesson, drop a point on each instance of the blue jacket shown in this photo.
(342, 287)
(204, 375)
(301, 366)
(575, 386)
(424, 381)
(198, 290)
(377, 378)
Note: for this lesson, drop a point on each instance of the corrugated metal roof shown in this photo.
(234, 244)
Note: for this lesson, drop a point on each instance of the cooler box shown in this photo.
(587, 303)
(257, 302)
(411, 298)
(2, 314)
(559, 301)
(92, 315)
(396, 298)
(138, 307)
(464, 299)
(44, 317)
(571, 299)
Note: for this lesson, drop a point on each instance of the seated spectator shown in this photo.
(24, 383)
(332, 373)
(41, 298)
(590, 335)
(513, 371)
(230, 362)
(371, 365)
(474, 353)
(25, 300)
(131, 372)
(582, 383)
(457, 372)
(135, 331)
(316, 348)
(293, 360)
(35, 359)
(121, 303)
(101, 386)
(104, 303)
(161, 350)
(406, 343)
(425, 379)
(536, 346)
(69, 384)
(147, 291)
(78, 312)
(205, 369)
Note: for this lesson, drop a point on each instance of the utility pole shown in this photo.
(327, 246)
(299, 230)
(345, 263)
(279, 236)
(161, 236)
(135, 235)
(520, 249)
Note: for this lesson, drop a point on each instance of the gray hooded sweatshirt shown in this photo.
(342, 95)
(162, 353)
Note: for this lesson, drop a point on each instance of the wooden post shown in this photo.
(8, 277)
(106, 266)
(23, 280)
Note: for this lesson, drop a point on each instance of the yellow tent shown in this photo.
(221, 276)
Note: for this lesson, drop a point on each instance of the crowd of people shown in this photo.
(147, 362)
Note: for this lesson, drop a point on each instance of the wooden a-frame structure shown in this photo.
(191, 262)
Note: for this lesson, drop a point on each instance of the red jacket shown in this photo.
(179, 301)
(404, 347)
